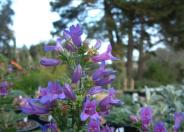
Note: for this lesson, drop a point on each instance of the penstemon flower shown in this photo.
(76, 100)
(49, 62)
(178, 120)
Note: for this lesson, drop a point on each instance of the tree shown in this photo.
(6, 34)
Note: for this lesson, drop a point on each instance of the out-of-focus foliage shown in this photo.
(7, 111)
(166, 101)
(30, 81)
(6, 33)
(121, 115)
(166, 67)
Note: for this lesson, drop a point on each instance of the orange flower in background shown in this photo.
(19, 67)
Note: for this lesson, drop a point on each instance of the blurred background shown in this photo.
(147, 36)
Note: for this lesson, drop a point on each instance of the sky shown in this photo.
(32, 21)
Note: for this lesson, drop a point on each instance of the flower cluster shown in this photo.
(77, 55)
(146, 116)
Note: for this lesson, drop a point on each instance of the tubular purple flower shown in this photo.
(94, 125)
(146, 117)
(107, 129)
(103, 76)
(89, 110)
(69, 92)
(49, 62)
(53, 92)
(106, 104)
(33, 106)
(104, 56)
(77, 74)
(75, 33)
(178, 120)
(4, 88)
(95, 90)
(56, 47)
(105, 81)
(159, 127)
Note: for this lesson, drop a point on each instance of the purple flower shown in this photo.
(56, 47)
(69, 92)
(160, 127)
(89, 110)
(75, 33)
(49, 62)
(104, 56)
(95, 90)
(77, 74)
(4, 88)
(33, 106)
(103, 76)
(107, 129)
(94, 125)
(53, 92)
(178, 120)
(146, 117)
(108, 101)
(52, 126)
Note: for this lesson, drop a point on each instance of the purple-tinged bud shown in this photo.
(95, 90)
(69, 92)
(70, 47)
(97, 45)
(89, 110)
(159, 127)
(49, 62)
(94, 125)
(77, 74)
(134, 118)
(104, 56)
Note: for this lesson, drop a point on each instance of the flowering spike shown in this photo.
(69, 92)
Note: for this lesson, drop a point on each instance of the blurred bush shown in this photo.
(30, 82)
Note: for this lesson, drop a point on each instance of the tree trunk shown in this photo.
(130, 53)
(141, 54)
